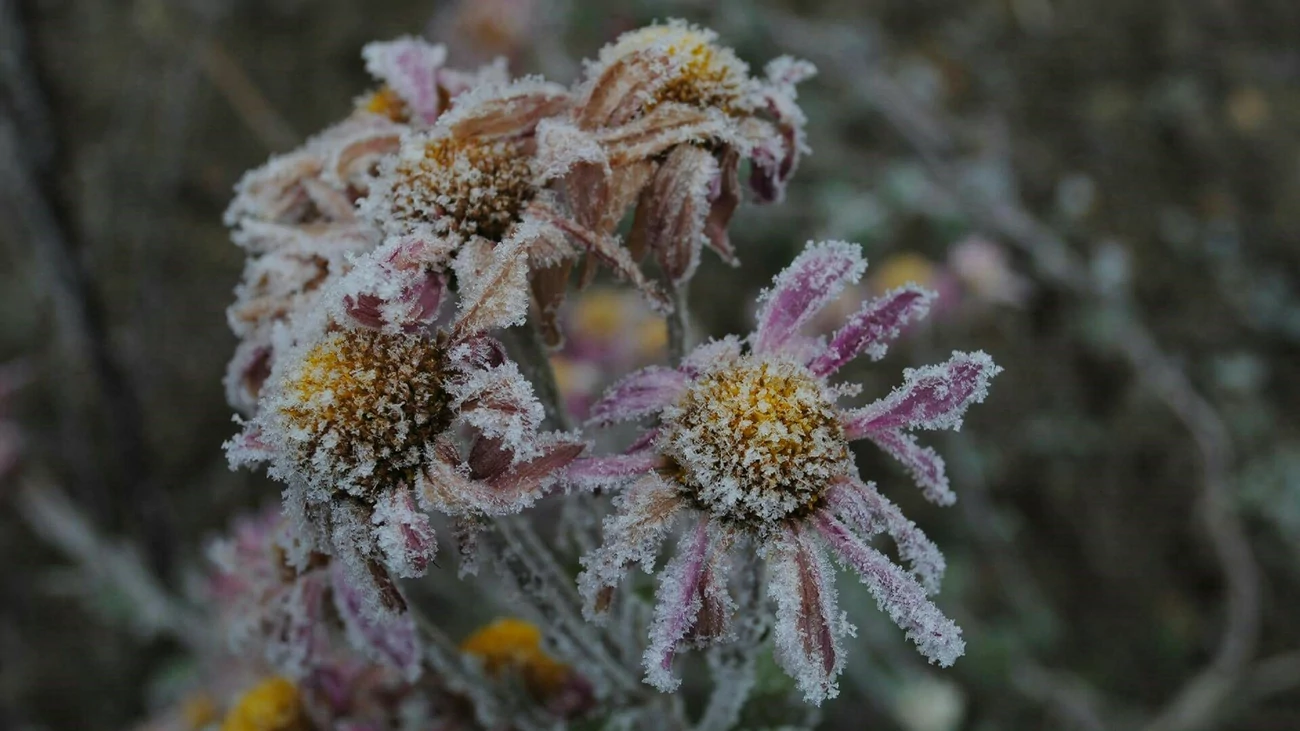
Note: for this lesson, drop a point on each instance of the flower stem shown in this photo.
(536, 367)
(678, 322)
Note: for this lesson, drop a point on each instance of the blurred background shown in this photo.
(1105, 192)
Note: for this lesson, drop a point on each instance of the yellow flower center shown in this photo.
(701, 73)
(515, 645)
(756, 442)
(468, 187)
(360, 407)
(272, 705)
(386, 103)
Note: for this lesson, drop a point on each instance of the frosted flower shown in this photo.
(663, 119)
(370, 427)
(751, 444)
(296, 214)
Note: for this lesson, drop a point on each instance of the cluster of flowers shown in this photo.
(378, 408)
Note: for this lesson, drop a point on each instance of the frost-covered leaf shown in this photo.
(802, 289)
(493, 286)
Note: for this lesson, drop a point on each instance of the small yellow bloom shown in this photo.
(513, 645)
(272, 705)
(901, 269)
(386, 103)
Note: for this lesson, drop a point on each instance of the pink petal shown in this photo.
(640, 394)
(403, 533)
(295, 638)
(873, 327)
(868, 512)
(933, 397)
(450, 489)
(923, 463)
(677, 604)
(897, 594)
(809, 624)
(409, 66)
(384, 635)
(812, 280)
(644, 514)
(596, 472)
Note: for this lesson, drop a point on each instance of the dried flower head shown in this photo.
(752, 443)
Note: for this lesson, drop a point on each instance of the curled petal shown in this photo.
(645, 513)
(922, 463)
(812, 280)
(403, 534)
(776, 161)
(897, 594)
(451, 489)
(495, 110)
(500, 404)
(934, 397)
(871, 329)
(677, 606)
(666, 126)
(723, 201)
(868, 512)
(640, 394)
(671, 214)
(494, 286)
(809, 624)
(607, 250)
(294, 626)
(388, 636)
(410, 67)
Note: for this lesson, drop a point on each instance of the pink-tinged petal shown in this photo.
(294, 626)
(922, 463)
(897, 594)
(869, 513)
(873, 327)
(555, 453)
(812, 280)
(409, 66)
(677, 604)
(248, 447)
(717, 607)
(933, 397)
(773, 163)
(499, 403)
(596, 472)
(809, 624)
(643, 516)
(450, 489)
(642, 393)
(403, 534)
(494, 285)
(388, 636)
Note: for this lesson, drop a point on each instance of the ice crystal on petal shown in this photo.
(645, 514)
(933, 397)
(811, 281)
(677, 605)
(898, 594)
(868, 512)
(809, 624)
(386, 636)
(403, 534)
(410, 67)
(872, 328)
(643, 392)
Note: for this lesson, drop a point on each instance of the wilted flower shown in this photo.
(751, 443)
(666, 115)
(296, 214)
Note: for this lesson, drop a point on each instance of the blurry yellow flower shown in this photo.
(900, 269)
(513, 645)
(386, 103)
(272, 705)
(600, 314)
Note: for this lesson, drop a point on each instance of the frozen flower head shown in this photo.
(296, 214)
(359, 408)
(751, 443)
(661, 123)
(510, 646)
(473, 173)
